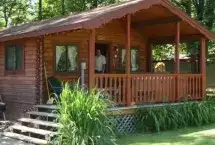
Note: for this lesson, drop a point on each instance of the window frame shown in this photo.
(77, 44)
(137, 48)
(16, 71)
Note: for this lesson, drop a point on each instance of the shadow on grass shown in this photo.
(189, 136)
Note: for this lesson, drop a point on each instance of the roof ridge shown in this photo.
(94, 18)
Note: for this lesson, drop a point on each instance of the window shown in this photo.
(13, 58)
(66, 58)
(134, 59)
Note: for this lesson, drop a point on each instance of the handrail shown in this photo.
(151, 88)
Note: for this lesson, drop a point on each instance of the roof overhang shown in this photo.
(94, 19)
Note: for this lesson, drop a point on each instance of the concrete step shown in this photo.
(45, 114)
(39, 122)
(49, 107)
(23, 129)
(25, 138)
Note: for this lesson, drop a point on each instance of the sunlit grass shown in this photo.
(189, 136)
(82, 118)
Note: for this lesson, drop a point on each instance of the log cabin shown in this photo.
(124, 33)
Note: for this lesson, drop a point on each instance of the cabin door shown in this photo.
(104, 48)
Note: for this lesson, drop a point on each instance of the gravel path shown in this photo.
(10, 141)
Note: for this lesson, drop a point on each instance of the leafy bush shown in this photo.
(82, 119)
(167, 117)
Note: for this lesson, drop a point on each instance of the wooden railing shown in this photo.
(150, 88)
(112, 86)
(190, 86)
(153, 88)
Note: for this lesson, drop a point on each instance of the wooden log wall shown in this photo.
(113, 34)
(18, 90)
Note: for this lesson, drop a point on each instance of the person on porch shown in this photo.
(100, 62)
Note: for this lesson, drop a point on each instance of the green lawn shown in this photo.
(190, 136)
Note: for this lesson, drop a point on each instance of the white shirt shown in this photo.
(99, 62)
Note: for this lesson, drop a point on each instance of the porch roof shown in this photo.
(95, 18)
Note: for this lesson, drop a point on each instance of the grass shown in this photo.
(188, 136)
(174, 117)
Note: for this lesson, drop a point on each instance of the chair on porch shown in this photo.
(55, 86)
(2, 108)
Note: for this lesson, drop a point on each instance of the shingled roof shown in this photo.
(93, 19)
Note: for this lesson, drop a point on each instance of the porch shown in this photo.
(122, 82)
(150, 88)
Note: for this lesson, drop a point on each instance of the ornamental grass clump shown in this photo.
(82, 118)
(168, 117)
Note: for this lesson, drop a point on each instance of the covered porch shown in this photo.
(132, 28)
(160, 27)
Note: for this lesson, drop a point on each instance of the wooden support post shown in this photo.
(150, 57)
(91, 59)
(203, 65)
(128, 58)
(177, 42)
(177, 60)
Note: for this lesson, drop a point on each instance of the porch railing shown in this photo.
(190, 86)
(150, 88)
(153, 88)
(113, 86)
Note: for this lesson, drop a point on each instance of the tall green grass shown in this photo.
(156, 119)
(82, 119)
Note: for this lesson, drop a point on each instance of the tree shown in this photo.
(63, 11)
(14, 11)
(40, 17)
(7, 7)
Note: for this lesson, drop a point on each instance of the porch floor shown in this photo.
(139, 106)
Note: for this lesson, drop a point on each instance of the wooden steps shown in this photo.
(32, 130)
(39, 128)
(45, 114)
(50, 107)
(38, 122)
(25, 138)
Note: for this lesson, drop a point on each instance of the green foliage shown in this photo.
(82, 119)
(13, 12)
(166, 52)
(167, 117)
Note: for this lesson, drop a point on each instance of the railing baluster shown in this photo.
(141, 89)
(119, 91)
(136, 88)
(200, 86)
(124, 90)
(115, 88)
(149, 87)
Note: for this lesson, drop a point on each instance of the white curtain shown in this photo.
(133, 59)
(59, 51)
(134, 66)
(72, 54)
(11, 58)
(123, 57)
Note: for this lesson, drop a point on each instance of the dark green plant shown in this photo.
(168, 117)
(82, 119)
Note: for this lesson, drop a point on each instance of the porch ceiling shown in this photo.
(159, 24)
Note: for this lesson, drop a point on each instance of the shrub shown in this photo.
(167, 117)
(82, 119)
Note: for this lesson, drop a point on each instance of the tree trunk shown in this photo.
(94, 4)
(62, 7)
(40, 17)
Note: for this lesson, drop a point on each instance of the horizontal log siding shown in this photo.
(18, 90)
(112, 33)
